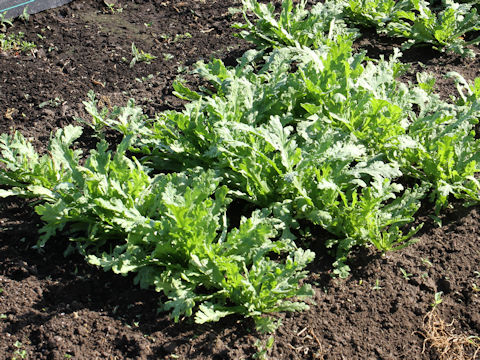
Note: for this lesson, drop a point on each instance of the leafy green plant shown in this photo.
(330, 140)
(167, 56)
(312, 132)
(293, 26)
(373, 13)
(445, 31)
(415, 20)
(170, 230)
(443, 150)
(180, 37)
(140, 56)
(426, 262)
(265, 162)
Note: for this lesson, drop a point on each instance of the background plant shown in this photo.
(444, 29)
(294, 25)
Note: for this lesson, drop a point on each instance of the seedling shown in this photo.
(112, 8)
(25, 15)
(14, 43)
(20, 352)
(262, 350)
(144, 78)
(4, 22)
(405, 274)
(427, 262)
(377, 285)
(167, 56)
(140, 56)
(51, 103)
(180, 37)
(437, 299)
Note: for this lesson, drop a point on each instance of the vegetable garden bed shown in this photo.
(295, 176)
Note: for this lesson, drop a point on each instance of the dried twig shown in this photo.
(449, 346)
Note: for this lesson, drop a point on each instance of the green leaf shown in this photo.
(208, 312)
(266, 325)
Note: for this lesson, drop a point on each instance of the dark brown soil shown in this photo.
(52, 307)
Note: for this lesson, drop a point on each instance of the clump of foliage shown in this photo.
(15, 43)
(444, 31)
(169, 229)
(294, 26)
(415, 20)
(418, 22)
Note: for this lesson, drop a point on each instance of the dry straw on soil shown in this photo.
(440, 336)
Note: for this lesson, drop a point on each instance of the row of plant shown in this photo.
(307, 132)
(447, 26)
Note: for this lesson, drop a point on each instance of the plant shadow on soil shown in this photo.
(60, 307)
